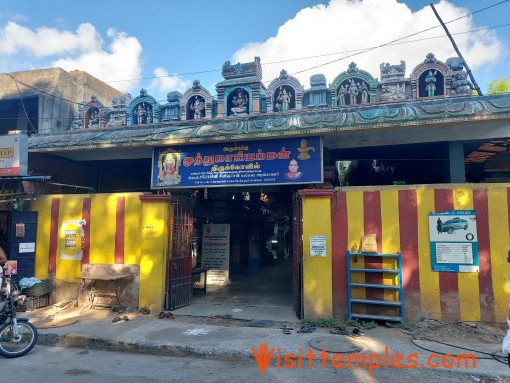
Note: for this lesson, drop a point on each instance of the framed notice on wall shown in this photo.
(454, 241)
(318, 246)
(216, 252)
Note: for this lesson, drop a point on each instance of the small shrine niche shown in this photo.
(196, 103)
(94, 114)
(284, 93)
(93, 118)
(431, 83)
(242, 92)
(238, 102)
(143, 114)
(284, 99)
(196, 108)
(430, 78)
(353, 87)
(143, 109)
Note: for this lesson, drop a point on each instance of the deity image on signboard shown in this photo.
(293, 173)
(168, 165)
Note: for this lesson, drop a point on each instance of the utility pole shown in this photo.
(458, 52)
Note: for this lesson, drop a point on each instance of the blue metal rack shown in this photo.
(383, 303)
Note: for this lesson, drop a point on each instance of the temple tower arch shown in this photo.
(284, 93)
(143, 109)
(353, 87)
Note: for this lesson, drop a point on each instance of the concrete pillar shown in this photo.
(456, 162)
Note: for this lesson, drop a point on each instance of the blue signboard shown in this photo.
(269, 162)
(454, 241)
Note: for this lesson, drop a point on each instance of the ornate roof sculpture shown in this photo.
(171, 110)
(430, 78)
(353, 87)
(394, 85)
(117, 113)
(196, 103)
(318, 95)
(251, 69)
(242, 92)
(284, 93)
(297, 122)
(143, 109)
(460, 85)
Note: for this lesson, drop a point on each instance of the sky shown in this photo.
(163, 46)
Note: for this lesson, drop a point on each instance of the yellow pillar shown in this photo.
(317, 270)
(154, 250)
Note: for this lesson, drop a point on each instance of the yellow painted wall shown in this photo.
(427, 301)
(145, 238)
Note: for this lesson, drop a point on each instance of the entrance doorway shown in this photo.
(259, 281)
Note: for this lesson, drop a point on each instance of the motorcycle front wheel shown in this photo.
(12, 346)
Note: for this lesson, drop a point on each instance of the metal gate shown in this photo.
(179, 283)
(22, 234)
(297, 251)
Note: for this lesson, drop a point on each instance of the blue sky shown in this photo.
(164, 45)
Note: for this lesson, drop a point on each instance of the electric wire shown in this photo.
(399, 39)
(493, 355)
(359, 51)
(23, 104)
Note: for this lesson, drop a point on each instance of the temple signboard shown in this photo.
(266, 162)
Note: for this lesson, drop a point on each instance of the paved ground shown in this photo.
(222, 338)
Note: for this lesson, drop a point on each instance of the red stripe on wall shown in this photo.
(448, 282)
(55, 208)
(481, 205)
(339, 258)
(85, 214)
(119, 230)
(373, 225)
(408, 220)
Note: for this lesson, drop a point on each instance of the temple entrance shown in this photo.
(256, 281)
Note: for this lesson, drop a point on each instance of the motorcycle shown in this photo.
(17, 335)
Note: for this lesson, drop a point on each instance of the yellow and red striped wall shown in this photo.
(121, 228)
(399, 218)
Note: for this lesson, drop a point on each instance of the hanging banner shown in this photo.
(216, 253)
(270, 162)
(454, 241)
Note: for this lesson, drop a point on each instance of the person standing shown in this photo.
(439, 226)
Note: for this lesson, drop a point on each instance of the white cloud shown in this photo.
(121, 62)
(48, 41)
(83, 50)
(166, 83)
(348, 25)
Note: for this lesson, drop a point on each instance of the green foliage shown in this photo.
(401, 326)
(368, 325)
(501, 85)
(322, 322)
